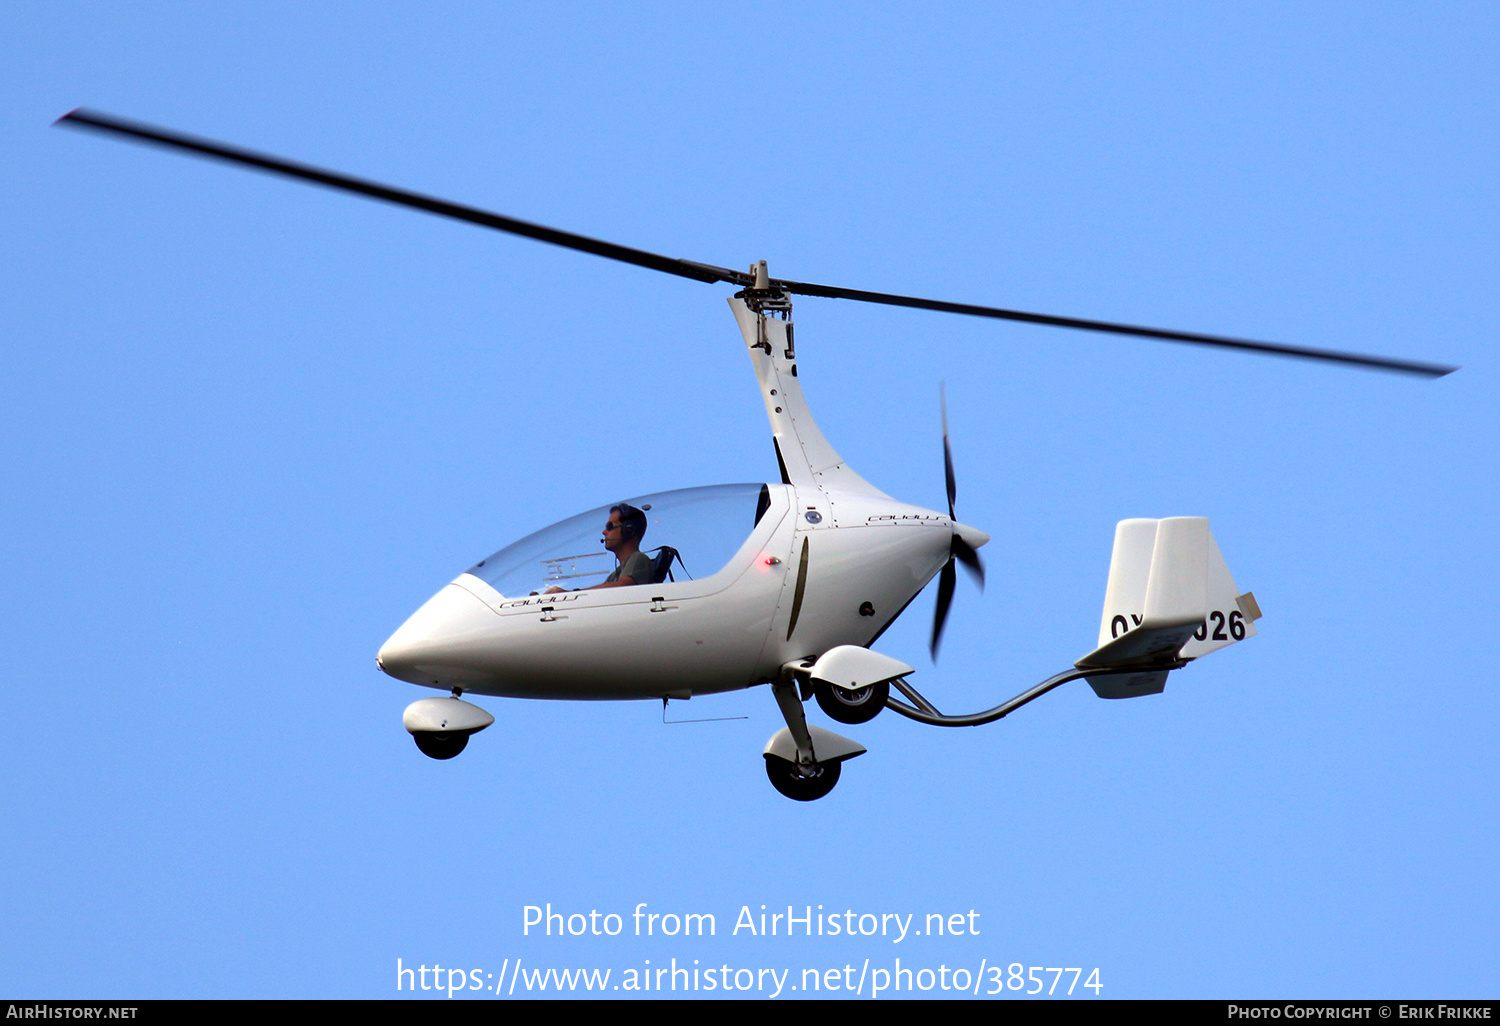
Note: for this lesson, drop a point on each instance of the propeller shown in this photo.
(959, 550)
(99, 122)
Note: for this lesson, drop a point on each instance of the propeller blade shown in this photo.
(96, 121)
(970, 558)
(947, 451)
(944, 599)
(1428, 370)
(100, 122)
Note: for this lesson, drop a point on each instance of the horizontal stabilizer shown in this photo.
(1129, 685)
(1170, 597)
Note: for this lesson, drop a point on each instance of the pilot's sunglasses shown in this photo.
(612, 527)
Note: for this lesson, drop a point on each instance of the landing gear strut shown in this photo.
(802, 761)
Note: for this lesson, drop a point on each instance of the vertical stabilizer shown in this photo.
(1170, 597)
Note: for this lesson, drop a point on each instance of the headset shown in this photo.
(632, 521)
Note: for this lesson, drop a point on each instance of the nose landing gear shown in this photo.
(438, 745)
(441, 726)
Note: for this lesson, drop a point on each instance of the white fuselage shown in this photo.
(858, 567)
(831, 561)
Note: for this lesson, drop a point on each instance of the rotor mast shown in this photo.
(804, 455)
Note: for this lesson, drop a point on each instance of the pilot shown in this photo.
(622, 536)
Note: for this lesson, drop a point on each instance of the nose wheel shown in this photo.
(441, 726)
(436, 745)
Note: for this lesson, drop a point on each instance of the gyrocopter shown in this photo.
(787, 583)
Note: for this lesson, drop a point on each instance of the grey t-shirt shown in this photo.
(637, 567)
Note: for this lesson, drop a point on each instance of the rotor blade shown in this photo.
(1430, 370)
(946, 582)
(970, 558)
(96, 121)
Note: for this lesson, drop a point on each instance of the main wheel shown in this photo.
(439, 745)
(848, 706)
(786, 779)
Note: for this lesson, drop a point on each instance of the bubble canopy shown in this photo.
(706, 526)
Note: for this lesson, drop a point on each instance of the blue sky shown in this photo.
(251, 425)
